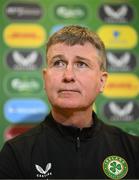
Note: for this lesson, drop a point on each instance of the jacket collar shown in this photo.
(71, 132)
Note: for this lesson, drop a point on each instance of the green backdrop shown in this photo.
(25, 27)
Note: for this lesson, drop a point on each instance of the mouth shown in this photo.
(69, 91)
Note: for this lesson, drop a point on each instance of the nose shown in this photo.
(69, 74)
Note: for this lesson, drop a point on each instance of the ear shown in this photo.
(44, 71)
(103, 78)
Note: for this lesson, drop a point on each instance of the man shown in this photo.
(72, 142)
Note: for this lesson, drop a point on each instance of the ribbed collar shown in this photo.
(71, 132)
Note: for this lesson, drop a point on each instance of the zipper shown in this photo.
(78, 157)
(78, 143)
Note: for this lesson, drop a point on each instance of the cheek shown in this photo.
(51, 80)
(92, 85)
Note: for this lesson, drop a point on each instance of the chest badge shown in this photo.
(115, 167)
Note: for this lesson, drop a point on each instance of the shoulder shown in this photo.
(117, 134)
(29, 138)
(117, 131)
(113, 130)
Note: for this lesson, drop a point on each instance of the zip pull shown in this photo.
(78, 142)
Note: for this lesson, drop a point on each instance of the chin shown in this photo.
(68, 103)
(69, 106)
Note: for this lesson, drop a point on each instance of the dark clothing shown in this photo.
(52, 150)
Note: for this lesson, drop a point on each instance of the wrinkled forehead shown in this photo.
(73, 53)
(86, 49)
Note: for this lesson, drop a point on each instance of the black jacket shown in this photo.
(52, 150)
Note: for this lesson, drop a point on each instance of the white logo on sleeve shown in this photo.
(44, 173)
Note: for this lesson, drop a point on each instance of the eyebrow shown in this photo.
(64, 59)
(86, 60)
(58, 55)
(82, 58)
(54, 57)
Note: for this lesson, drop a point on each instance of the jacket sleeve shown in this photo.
(137, 160)
(9, 167)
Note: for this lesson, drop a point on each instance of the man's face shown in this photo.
(73, 77)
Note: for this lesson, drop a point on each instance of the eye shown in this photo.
(81, 64)
(59, 63)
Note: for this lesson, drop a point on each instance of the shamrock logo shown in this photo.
(115, 166)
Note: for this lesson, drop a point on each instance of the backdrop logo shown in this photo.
(123, 86)
(115, 37)
(25, 110)
(24, 35)
(23, 84)
(121, 61)
(24, 60)
(71, 11)
(116, 13)
(15, 130)
(121, 111)
(21, 11)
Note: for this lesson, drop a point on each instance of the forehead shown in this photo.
(87, 50)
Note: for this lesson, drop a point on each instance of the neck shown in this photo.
(79, 118)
